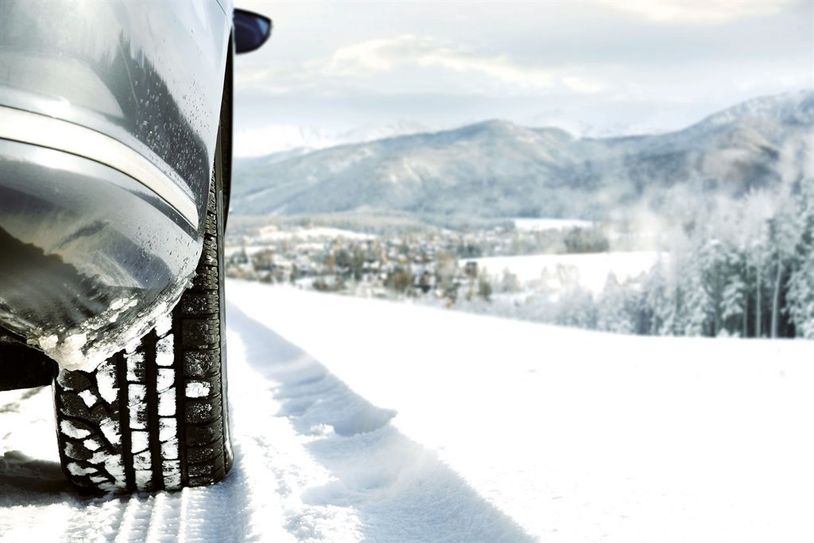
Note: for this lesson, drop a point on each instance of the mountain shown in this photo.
(287, 138)
(498, 169)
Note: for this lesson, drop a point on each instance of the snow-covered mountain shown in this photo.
(281, 139)
(498, 169)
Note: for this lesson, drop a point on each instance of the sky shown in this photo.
(343, 70)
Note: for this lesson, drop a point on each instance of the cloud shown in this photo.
(697, 11)
(606, 64)
(423, 64)
(381, 55)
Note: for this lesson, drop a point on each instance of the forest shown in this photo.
(740, 268)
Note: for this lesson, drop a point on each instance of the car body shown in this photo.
(109, 115)
(115, 172)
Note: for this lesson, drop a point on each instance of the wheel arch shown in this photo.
(224, 152)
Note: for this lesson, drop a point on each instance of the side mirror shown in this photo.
(251, 30)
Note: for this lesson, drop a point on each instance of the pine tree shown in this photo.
(613, 308)
(800, 295)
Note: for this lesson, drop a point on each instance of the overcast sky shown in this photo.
(590, 66)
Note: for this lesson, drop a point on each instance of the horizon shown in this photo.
(340, 71)
(308, 150)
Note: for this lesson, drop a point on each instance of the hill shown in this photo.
(496, 169)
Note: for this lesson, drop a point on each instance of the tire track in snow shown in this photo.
(96, 520)
(135, 519)
(165, 522)
(380, 486)
(274, 469)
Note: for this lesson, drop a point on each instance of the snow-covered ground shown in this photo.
(541, 225)
(368, 420)
(273, 233)
(589, 270)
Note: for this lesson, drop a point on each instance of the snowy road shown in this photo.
(366, 420)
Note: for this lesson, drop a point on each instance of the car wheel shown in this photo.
(155, 416)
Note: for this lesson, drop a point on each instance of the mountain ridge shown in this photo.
(495, 168)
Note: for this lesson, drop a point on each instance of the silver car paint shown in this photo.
(148, 75)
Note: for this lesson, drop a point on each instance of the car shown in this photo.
(115, 175)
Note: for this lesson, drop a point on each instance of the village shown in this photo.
(433, 263)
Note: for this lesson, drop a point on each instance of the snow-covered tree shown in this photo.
(800, 296)
(616, 307)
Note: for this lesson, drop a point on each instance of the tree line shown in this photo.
(741, 268)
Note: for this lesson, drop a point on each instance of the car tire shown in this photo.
(155, 416)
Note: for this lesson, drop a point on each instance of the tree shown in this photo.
(800, 295)
(576, 307)
(484, 288)
(357, 263)
(446, 271)
(733, 306)
(757, 209)
(801, 298)
(784, 231)
(613, 313)
(400, 280)
(509, 282)
(657, 299)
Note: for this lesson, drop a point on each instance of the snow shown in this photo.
(166, 403)
(591, 269)
(165, 347)
(279, 141)
(69, 429)
(106, 381)
(197, 389)
(48, 342)
(69, 352)
(165, 378)
(143, 472)
(169, 450)
(359, 419)
(496, 169)
(541, 225)
(140, 442)
(168, 429)
(273, 233)
(137, 402)
(88, 397)
(111, 431)
(93, 341)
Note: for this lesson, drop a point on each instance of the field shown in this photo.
(369, 420)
